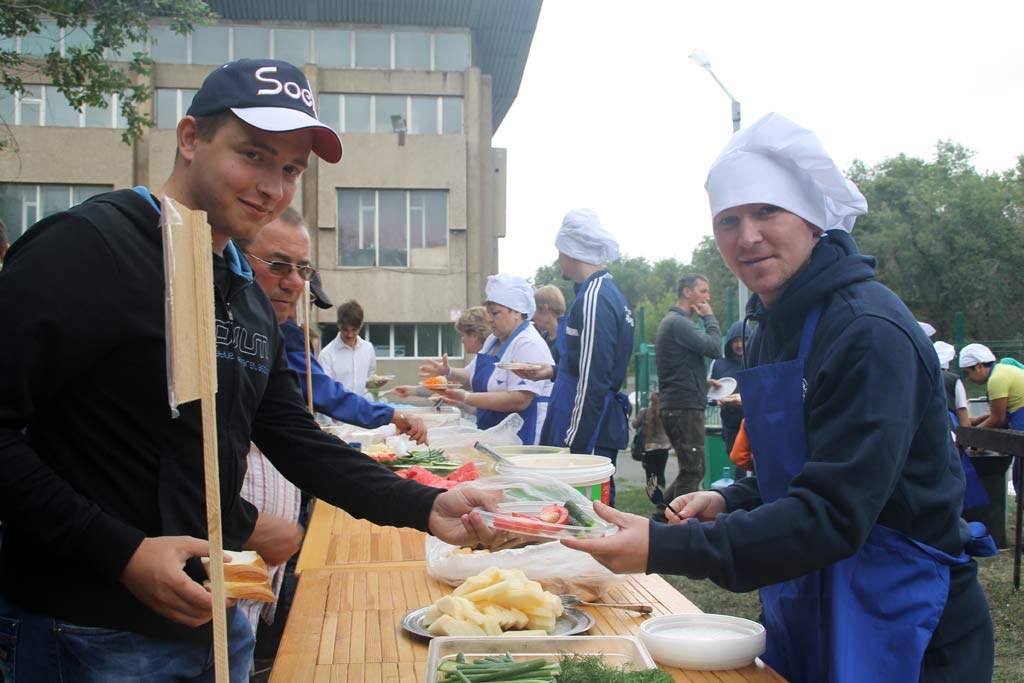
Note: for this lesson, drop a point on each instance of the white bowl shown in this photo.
(706, 642)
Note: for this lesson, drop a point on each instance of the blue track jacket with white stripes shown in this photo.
(599, 339)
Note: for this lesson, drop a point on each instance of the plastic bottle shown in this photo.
(725, 481)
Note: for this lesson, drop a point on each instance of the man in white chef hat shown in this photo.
(588, 412)
(851, 527)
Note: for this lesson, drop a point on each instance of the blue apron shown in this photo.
(974, 493)
(1016, 421)
(563, 401)
(869, 617)
(485, 419)
(563, 394)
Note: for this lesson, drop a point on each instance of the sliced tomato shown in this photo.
(525, 524)
(555, 513)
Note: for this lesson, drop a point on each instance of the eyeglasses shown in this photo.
(284, 268)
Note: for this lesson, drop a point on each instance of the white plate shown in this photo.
(706, 642)
(728, 387)
(519, 366)
(571, 622)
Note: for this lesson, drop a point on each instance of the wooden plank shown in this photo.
(318, 537)
(1008, 441)
(296, 657)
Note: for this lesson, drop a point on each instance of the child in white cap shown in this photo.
(850, 527)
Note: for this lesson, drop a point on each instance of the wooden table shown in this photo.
(358, 580)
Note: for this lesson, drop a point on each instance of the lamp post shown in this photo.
(702, 60)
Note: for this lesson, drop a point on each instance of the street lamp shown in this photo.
(702, 60)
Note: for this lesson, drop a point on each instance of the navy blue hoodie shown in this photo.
(877, 433)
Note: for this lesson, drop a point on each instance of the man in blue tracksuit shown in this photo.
(851, 525)
(587, 412)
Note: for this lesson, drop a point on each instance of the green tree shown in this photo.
(948, 238)
(84, 69)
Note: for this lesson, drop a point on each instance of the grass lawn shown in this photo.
(996, 574)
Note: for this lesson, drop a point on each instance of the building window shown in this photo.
(44, 105)
(334, 48)
(171, 105)
(21, 205)
(211, 45)
(424, 114)
(412, 51)
(393, 228)
(413, 340)
(451, 52)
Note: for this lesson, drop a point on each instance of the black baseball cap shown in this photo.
(320, 298)
(270, 95)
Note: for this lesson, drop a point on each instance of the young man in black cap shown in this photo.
(101, 489)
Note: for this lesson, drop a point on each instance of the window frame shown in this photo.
(376, 226)
(417, 353)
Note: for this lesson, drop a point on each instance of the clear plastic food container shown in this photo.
(509, 518)
(617, 651)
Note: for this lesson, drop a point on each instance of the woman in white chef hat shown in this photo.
(495, 392)
(851, 527)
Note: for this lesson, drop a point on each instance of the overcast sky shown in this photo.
(612, 114)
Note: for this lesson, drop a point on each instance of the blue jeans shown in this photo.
(35, 648)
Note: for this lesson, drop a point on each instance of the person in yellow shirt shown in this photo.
(1005, 386)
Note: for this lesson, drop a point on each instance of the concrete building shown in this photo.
(407, 224)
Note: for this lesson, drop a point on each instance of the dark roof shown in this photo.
(502, 29)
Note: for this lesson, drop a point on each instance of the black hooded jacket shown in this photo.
(91, 460)
(877, 434)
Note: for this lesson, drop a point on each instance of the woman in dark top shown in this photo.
(731, 409)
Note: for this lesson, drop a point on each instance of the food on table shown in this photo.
(245, 577)
(492, 602)
(568, 669)
(469, 551)
(467, 472)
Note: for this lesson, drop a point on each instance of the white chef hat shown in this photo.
(972, 354)
(775, 161)
(928, 329)
(511, 292)
(581, 237)
(945, 352)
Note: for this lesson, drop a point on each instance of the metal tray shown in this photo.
(571, 622)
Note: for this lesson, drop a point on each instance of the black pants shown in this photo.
(654, 464)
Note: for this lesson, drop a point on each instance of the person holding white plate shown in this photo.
(495, 392)
(851, 525)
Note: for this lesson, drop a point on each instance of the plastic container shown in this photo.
(618, 651)
(588, 474)
(725, 481)
(706, 642)
(505, 520)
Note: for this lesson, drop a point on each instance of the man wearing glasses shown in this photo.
(279, 256)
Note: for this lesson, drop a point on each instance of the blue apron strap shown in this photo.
(810, 325)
